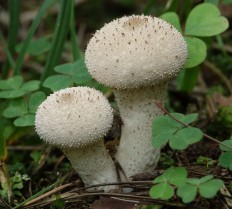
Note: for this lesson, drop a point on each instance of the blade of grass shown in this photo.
(74, 42)
(59, 181)
(7, 51)
(45, 6)
(148, 7)
(3, 150)
(59, 38)
(14, 8)
(221, 44)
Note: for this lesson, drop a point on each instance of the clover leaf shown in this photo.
(173, 19)
(163, 188)
(206, 186)
(167, 130)
(36, 47)
(225, 159)
(175, 179)
(205, 20)
(196, 52)
(187, 192)
(162, 191)
(24, 110)
(15, 87)
(69, 75)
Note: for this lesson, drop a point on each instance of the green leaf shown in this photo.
(210, 188)
(226, 1)
(196, 52)
(173, 19)
(184, 137)
(165, 123)
(57, 82)
(225, 160)
(162, 191)
(165, 129)
(197, 182)
(16, 108)
(190, 118)
(76, 70)
(18, 185)
(215, 2)
(187, 192)
(204, 179)
(205, 20)
(25, 120)
(227, 142)
(161, 179)
(66, 69)
(31, 86)
(36, 47)
(193, 181)
(35, 100)
(176, 176)
(11, 94)
(161, 139)
(59, 203)
(187, 79)
(179, 176)
(3, 150)
(12, 83)
(36, 156)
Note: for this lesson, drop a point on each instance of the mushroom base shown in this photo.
(137, 110)
(94, 165)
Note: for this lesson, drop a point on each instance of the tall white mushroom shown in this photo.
(136, 56)
(76, 120)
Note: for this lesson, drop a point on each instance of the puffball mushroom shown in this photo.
(76, 120)
(136, 56)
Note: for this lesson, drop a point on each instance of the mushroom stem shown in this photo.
(137, 110)
(102, 169)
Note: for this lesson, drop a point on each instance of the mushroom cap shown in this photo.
(74, 117)
(134, 51)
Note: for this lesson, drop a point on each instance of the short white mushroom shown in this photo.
(76, 120)
(136, 56)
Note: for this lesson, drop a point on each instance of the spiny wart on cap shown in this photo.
(80, 115)
(135, 51)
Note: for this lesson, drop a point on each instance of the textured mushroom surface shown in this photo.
(136, 56)
(74, 117)
(75, 120)
(134, 51)
(137, 109)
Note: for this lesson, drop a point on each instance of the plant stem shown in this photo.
(12, 34)
(218, 72)
(19, 62)
(40, 193)
(59, 38)
(9, 57)
(74, 42)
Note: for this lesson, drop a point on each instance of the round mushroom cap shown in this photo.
(134, 51)
(74, 117)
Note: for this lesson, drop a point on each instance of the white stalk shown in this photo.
(137, 110)
(94, 165)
